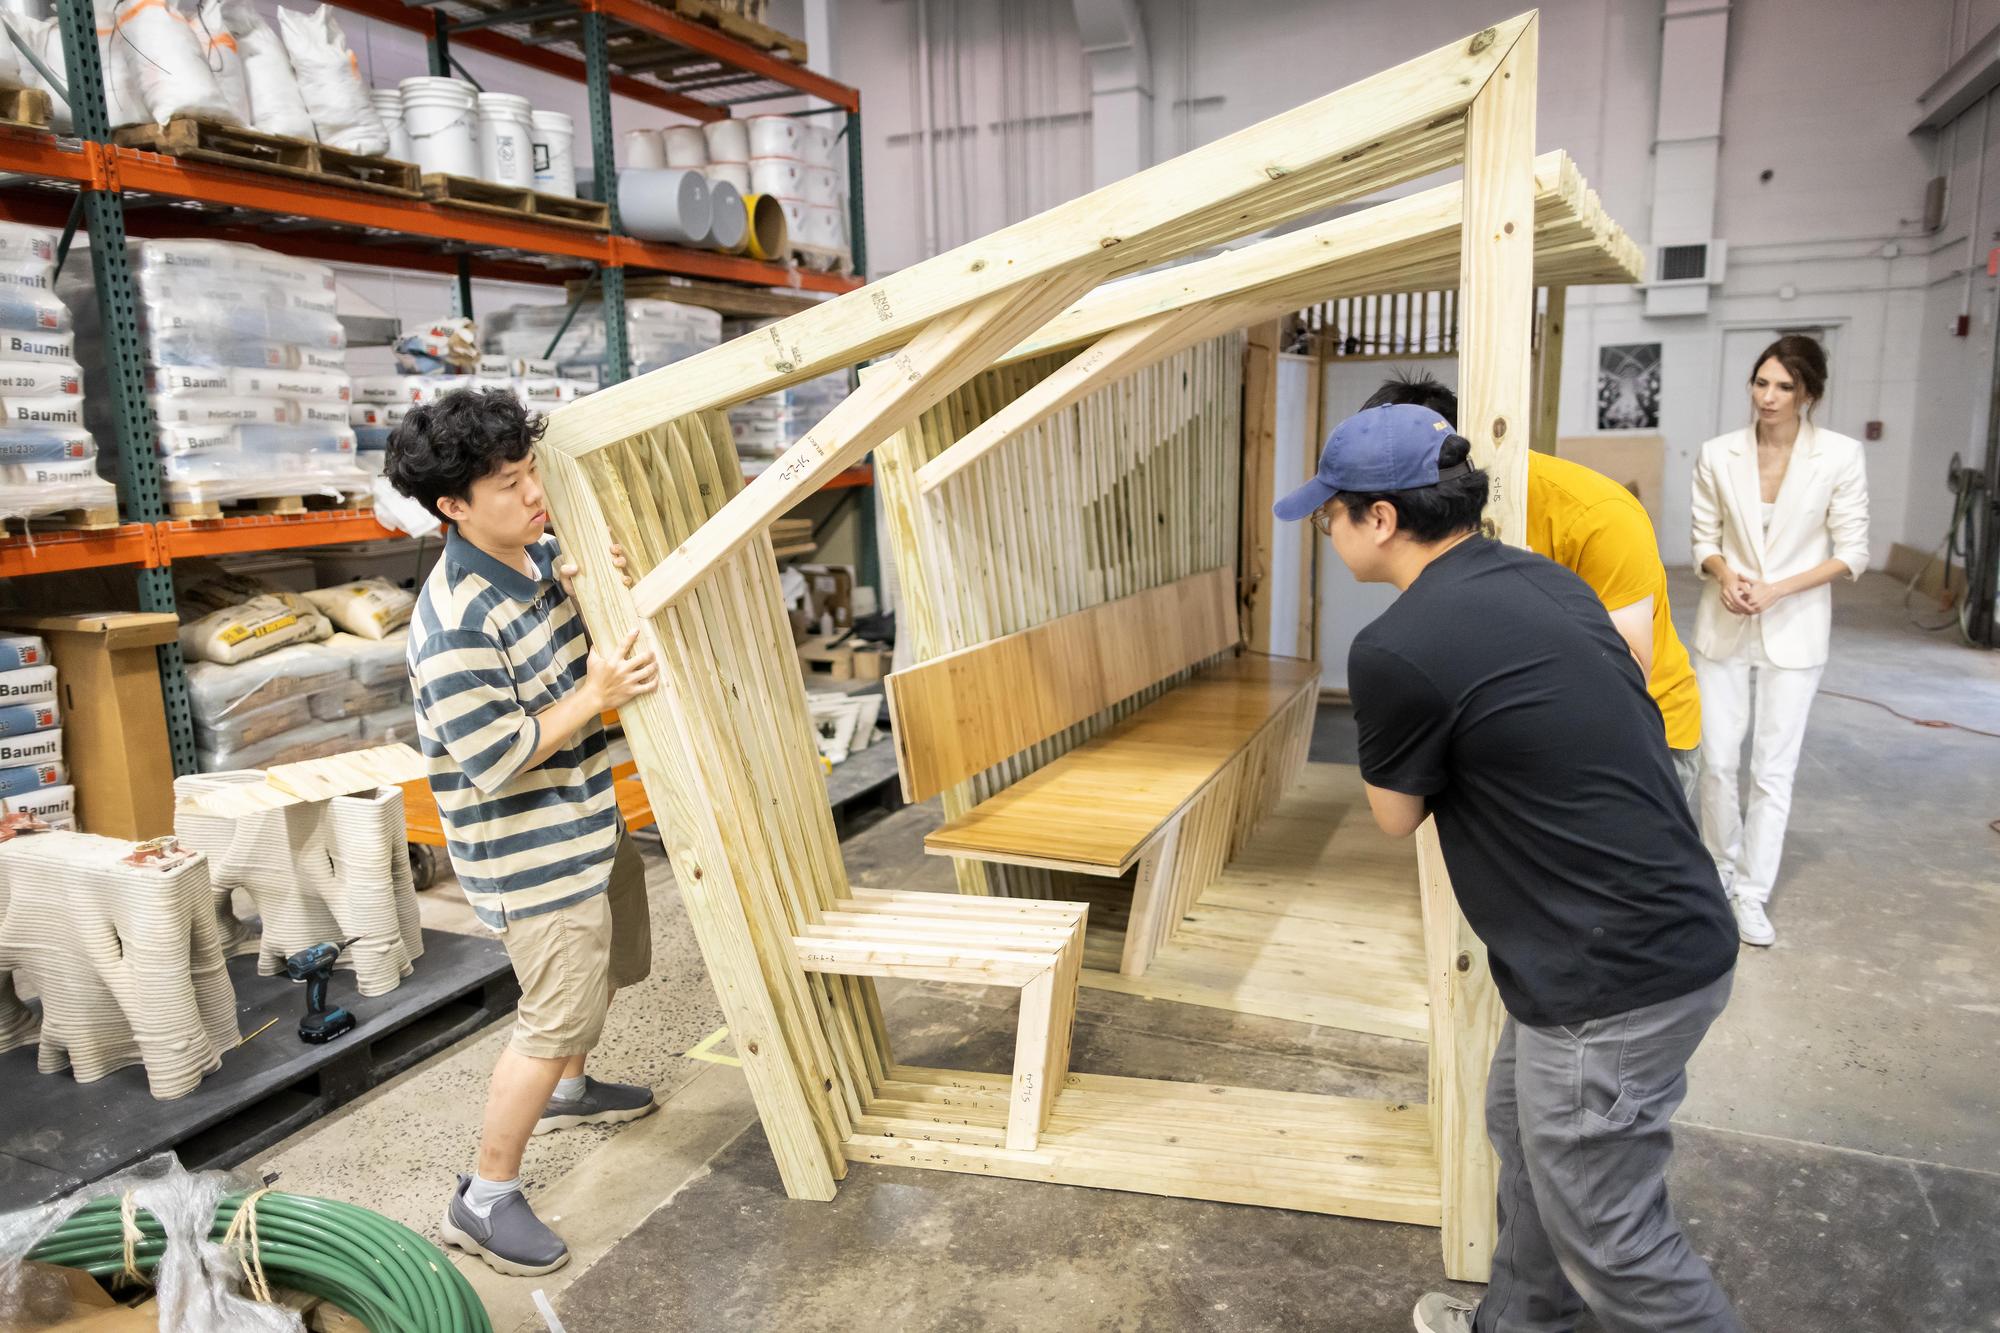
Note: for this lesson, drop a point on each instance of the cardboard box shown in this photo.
(114, 724)
(830, 592)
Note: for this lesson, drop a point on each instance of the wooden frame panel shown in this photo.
(1125, 482)
(960, 714)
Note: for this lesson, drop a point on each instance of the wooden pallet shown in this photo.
(67, 520)
(212, 511)
(743, 27)
(24, 108)
(199, 140)
(512, 201)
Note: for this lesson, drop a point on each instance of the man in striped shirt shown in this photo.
(508, 694)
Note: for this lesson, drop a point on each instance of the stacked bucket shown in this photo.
(450, 128)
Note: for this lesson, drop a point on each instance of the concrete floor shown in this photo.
(1840, 1148)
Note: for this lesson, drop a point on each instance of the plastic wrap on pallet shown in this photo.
(773, 422)
(218, 692)
(247, 370)
(374, 662)
(255, 725)
(658, 333)
(313, 741)
(48, 459)
(353, 699)
(390, 726)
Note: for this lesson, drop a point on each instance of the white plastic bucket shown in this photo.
(774, 136)
(824, 228)
(728, 140)
(439, 116)
(389, 106)
(816, 145)
(555, 153)
(728, 223)
(644, 151)
(737, 174)
(798, 220)
(665, 205)
(685, 146)
(822, 187)
(781, 176)
(506, 140)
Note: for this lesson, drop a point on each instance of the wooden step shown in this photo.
(200, 140)
(512, 201)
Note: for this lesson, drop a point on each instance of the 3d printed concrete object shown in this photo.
(119, 940)
(316, 870)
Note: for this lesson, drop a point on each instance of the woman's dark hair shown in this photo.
(1432, 513)
(1803, 359)
(441, 448)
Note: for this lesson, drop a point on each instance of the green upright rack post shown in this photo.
(142, 492)
(604, 167)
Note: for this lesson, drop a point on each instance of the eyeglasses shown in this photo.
(1322, 518)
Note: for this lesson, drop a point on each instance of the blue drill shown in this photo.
(314, 966)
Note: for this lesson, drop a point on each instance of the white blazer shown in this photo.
(1821, 512)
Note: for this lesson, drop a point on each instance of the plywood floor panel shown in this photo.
(1343, 1155)
(1317, 921)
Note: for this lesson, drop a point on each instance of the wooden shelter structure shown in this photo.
(1065, 525)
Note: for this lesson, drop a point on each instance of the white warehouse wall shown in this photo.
(1821, 93)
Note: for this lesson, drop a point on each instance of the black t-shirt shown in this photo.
(1497, 688)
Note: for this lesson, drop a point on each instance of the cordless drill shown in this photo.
(314, 966)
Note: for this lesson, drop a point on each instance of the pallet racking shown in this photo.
(87, 182)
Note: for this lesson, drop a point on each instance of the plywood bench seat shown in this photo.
(1097, 808)
(1034, 947)
(1172, 789)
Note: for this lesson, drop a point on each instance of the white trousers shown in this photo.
(1747, 694)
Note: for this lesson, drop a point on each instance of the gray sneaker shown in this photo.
(601, 1104)
(511, 1239)
(1439, 1313)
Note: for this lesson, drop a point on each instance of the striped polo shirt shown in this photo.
(490, 648)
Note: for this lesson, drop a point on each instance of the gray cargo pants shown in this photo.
(1579, 1118)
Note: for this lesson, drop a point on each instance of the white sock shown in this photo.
(569, 1089)
(482, 1194)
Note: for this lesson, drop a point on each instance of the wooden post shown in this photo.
(1309, 538)
(1260, 448)
(1497, 296)
(1549, 372)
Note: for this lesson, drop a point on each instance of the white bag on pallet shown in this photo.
(343, 111)
(369, 608)
(155, 47)
(276, 106)
(224, 58)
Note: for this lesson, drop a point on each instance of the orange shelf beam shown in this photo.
(708, 41)
(630, 252)
(180, 539)
(535, 57)
(64, 552)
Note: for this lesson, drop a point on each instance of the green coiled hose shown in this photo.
(379, 1271)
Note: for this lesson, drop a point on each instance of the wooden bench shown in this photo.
(1173, 789)
(1033, 946)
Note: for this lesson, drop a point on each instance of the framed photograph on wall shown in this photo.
(1628, 387)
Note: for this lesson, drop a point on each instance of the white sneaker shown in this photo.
(1751, 923)
(1439, 1313)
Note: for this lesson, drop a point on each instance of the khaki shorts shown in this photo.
(570, 960)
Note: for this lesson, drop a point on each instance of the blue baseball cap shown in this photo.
(1393, 447)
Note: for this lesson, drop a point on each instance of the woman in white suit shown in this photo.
(1780, 512)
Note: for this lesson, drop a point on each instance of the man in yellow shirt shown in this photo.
(1598, 530)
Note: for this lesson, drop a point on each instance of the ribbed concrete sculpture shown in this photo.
(119, 939)
(318, 871)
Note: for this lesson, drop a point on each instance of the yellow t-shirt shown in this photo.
(1592, 526)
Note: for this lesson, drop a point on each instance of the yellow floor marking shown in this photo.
(704, 1050)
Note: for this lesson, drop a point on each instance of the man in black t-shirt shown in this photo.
(1497, 696)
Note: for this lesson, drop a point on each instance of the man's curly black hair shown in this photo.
(441, 448)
